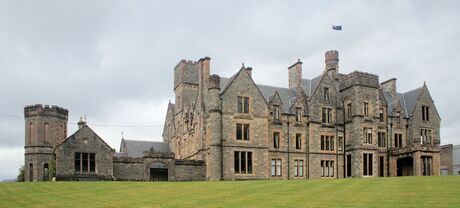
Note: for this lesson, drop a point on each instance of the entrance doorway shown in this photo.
(381, 167)
(405, 166)
(159, 172)
(348, 166)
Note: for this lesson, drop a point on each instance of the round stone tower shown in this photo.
(45, 127)
(215, 128)
(332, 62)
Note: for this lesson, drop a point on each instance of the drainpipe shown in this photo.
(221, 143)
(344, 142)
(308, 150)
(288, 149)
(388, 145)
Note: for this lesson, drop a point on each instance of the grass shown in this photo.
(364, 192)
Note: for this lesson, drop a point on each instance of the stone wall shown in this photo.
(128, 169)
(189, 170)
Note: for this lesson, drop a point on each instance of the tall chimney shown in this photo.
(389, 86)
(295, 75)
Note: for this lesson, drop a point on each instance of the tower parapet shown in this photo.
(46, 110)
(359, 78)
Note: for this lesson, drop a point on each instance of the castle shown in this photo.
(332, 126)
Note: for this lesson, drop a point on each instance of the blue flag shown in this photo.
(337, 27)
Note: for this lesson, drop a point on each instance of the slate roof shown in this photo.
(286, 94)
(309, 85)
(136, 148)
(407, 100)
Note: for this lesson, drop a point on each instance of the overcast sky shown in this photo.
(113, 60)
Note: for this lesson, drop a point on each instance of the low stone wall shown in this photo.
(190, 170)
(128, 169)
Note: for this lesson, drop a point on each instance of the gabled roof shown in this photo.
(82, 129)
(286, 94)
(136, 148)
(309, 85)
(407, 100)
(171, 109)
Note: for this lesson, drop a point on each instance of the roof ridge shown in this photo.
(405, 106)
(143, 140)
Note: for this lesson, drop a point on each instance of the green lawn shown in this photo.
(366, 192)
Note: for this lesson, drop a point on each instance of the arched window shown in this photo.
(46, 172)
(31, 127)
(31, 172)
(46, 133)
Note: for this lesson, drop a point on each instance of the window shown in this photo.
(326, 115)
(276, 167)
(425, 113)
(243, 104)
(243, 162)
(298, 168)
(85, 162)
(349, 110)
(276, 140)
(425, 136)
(45, 132)
(298, 141)
(242, 132)
(426, 166)
(298, 114)
(381, 115)
(367, 164)
(327, 143)
(398, 117)
(327, 168)
(367, 135)
(276, 112)
(326, 94)
(31, 172)
(340, 143)
(381, 139)
(46, 172)
(366, 109)
(398, 140)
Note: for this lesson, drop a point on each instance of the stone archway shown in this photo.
(159, 172)
(405, 166)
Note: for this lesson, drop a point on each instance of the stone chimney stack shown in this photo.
(332, 63)
(215, 128)
(295, 75)
(389, 86)
(249, 70)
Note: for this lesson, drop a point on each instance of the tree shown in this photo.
(20, 177)
(52, 169)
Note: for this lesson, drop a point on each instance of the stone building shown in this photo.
(334, 125)
(331, 126)
(85, 156)
(450, 159)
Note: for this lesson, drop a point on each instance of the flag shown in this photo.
(337, 27)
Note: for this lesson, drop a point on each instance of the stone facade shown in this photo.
(332, 126)
(85, 141)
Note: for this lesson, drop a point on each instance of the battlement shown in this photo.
(332, 55)
(187, 71)
(46, 110)
(359, 78)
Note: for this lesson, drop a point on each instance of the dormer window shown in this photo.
(326, 94)
(298, 114)
(425, 113)
(276, 112)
